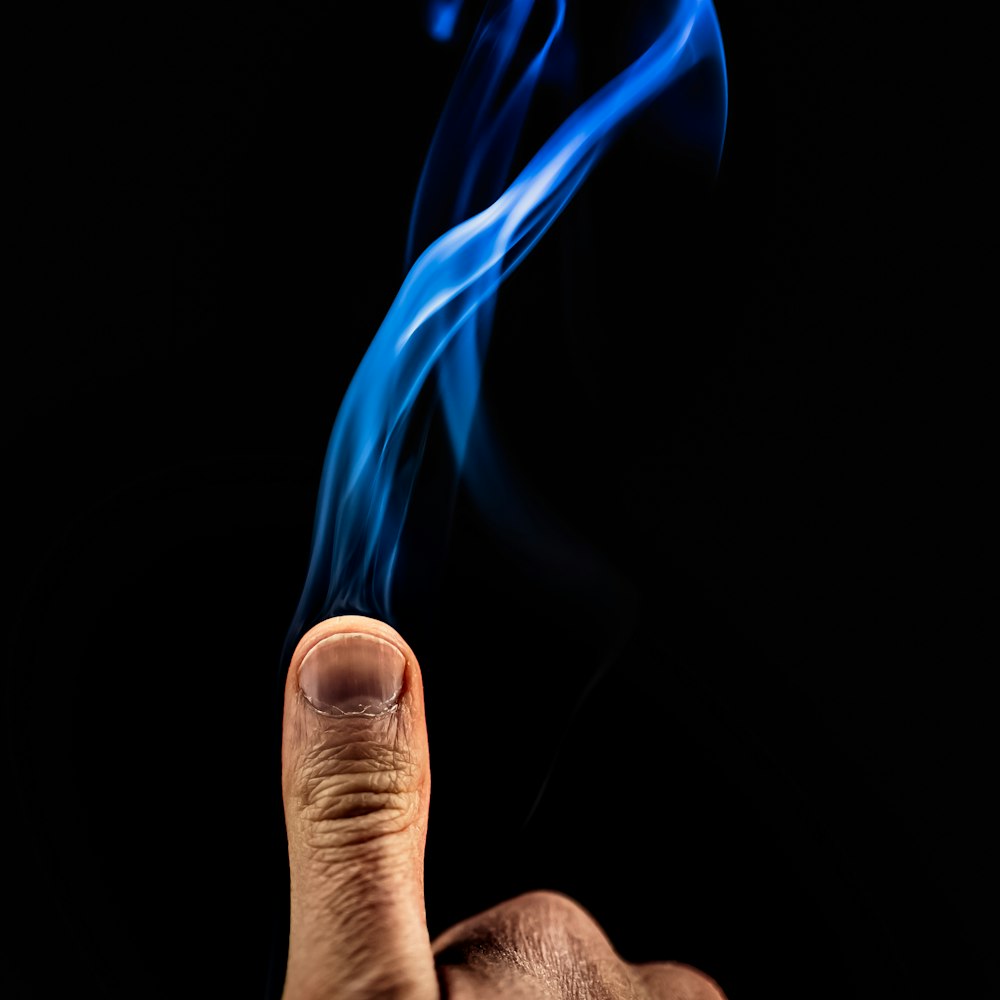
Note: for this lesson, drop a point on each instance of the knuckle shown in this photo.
(523, 925)
(541, 942)
(671, 980)
(355, 791)
(551, 908)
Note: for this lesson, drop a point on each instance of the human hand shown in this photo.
(356, 786)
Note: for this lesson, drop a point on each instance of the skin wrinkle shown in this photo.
(358, 821)
(389, 776)
(357, 788)
(326, 855)
(381, 813)
(367, 760)
(357, 818)
(544, 939)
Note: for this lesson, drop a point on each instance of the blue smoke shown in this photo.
(441, 318)
(441, 18)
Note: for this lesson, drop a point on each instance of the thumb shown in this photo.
(356, 785)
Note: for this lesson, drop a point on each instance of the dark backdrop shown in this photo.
(724, 700)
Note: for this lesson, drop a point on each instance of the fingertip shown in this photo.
(341, 624)
(354, 665)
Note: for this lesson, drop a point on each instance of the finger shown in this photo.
(356, 785)
(533, 947)
(544, 944)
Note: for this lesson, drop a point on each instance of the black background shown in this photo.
(730, 702)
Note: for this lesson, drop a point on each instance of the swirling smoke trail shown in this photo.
(441, 318)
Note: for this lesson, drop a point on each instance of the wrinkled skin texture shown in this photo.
(356, 791)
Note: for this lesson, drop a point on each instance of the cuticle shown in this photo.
(332, 712)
